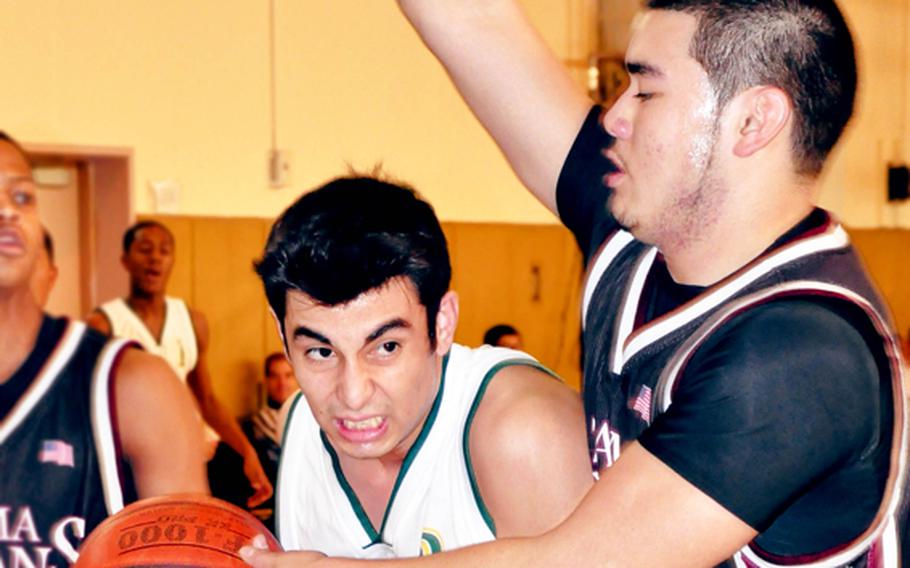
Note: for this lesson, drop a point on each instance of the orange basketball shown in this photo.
(177, 530)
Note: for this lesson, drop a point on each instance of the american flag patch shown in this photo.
(56, 451)
(641, 404)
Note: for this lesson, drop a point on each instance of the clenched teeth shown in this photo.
(367, 424)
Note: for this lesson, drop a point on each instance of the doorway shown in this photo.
(84, 200)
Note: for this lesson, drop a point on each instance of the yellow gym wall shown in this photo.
(186, 85)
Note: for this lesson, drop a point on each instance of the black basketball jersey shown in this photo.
(637, 374)
(59, 450)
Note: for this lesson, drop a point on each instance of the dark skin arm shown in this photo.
(214, 413)
(218, 417)
(163, 443)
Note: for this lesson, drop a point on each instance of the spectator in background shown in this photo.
(166, 326)
(264, 428)
(503, 335)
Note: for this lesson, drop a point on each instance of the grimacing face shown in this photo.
(666, 130)
(367, 368)
(20, 228)
(150, 260)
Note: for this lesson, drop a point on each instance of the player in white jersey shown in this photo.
(730, 332)
(403, 443)
(165, 326)
(177, 342)
(72, 447)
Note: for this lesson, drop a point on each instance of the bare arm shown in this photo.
(98, 321)
(216, 415)
(529, 451)
(510, 79)
(163, 442)
(621, 522)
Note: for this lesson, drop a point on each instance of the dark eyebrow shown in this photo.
(389, 325)
(303, 331)
(644, 69)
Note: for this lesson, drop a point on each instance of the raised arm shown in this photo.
(510, 79)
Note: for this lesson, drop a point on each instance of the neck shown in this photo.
(741, 236)
(20, 321)
(142, 301)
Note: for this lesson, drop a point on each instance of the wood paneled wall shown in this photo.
(886, 254)
(524, 275)
(528, 276)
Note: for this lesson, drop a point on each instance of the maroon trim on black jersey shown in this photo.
(745, 308)
(874, 552)
(826, 227)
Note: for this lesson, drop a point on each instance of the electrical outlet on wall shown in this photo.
(165, 195)
(279, 168)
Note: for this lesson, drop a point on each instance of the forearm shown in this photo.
(218, 417)
(511, 80)
(495, 554)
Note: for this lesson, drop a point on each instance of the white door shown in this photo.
(58, 207)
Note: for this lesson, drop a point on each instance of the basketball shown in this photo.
(192, 531)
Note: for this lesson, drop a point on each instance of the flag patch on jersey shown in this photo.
(641, 404)
(57, 452)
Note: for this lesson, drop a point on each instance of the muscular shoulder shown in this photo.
(778, 339)
(523, 403)
(531, 423)
(140, 374)
(99, 321)
(794, 358)
(793, 385)
(163, 443)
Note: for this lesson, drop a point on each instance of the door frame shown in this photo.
(105, 188)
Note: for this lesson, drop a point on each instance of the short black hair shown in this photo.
(803, 47)
(353, 235)
(48, 243)
(15, 144)
(130, 235)
(271, 358)
(495, 333)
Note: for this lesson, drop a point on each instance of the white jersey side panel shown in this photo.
(434, 506)
(178, 338)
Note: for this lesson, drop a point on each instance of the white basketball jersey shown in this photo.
(178, 337)
(435, 504)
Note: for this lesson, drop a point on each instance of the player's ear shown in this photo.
(446, 322)
(762, 114)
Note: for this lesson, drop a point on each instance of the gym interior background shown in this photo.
(212, 116)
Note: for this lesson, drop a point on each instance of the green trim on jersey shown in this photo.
(281, 455)
(376, 537)
(481, 506)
